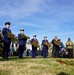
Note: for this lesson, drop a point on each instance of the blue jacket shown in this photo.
(62, 46)
(22, 41)
(5, 34)
(44, 47)
(32, 41)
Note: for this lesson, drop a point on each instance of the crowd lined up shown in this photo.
(24, 46)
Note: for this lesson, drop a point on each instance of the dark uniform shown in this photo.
(22, 43)
(55, 50)
(6, 41)
(34, 49)
(44, 49)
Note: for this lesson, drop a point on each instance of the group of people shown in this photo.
(58, 48)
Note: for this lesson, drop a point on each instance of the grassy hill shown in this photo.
(38, 66)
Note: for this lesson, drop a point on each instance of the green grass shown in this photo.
(37, 66)
(5, 72)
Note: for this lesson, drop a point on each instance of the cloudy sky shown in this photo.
(41, 17)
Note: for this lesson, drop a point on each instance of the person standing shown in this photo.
(6, 40)
(29, 48)
(69, 48)
(22, 43)
(34, 43)
(1, 43)
(55, 50)
(15, 47)
(45, 47)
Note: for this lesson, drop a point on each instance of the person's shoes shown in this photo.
(20, 57)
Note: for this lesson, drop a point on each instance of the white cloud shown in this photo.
(50, 16)
(19, 8)
(29, 24)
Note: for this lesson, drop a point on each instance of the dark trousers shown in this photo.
(34, 51)
(56, 52)
(70, 53)
(45, 53)
(6, 50)
(21, 51)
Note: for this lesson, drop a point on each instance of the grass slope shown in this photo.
(37, 66)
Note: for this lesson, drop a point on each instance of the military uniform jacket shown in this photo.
(5, 34)
(32, 40)
(22, 41)
(44, 47)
